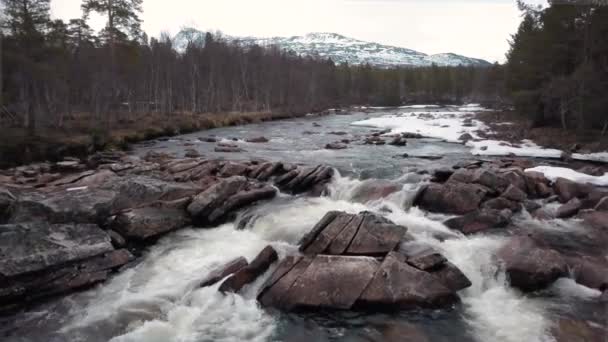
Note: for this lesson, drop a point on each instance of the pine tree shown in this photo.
(123, 17)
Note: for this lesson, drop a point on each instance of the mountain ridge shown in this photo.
(341, 49)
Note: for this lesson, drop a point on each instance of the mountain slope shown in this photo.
(342, 49)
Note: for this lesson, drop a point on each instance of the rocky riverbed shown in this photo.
(307, 229)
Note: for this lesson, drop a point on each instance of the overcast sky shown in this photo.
(475, 28)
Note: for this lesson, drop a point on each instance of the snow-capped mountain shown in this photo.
(340, 49)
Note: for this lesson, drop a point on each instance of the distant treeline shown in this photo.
(53, 70)
(557, 70)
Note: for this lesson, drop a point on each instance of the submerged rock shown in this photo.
(251, 272)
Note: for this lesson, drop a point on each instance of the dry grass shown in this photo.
(82, 133)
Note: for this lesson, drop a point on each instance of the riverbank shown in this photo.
(80, 135)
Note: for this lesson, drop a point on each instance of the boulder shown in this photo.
(152, 221)
(336, 146)
(480, 220)
(231, 169)
(442, 175)
(531, 266)
(251, 272)
(374, 189)
(397, 285)
(223, 271)
(465, 137)
(597, 220)
(306, 179)
(192, 153)
(567, 189)
(514, 193)
(38, 259)
(537, 185)
(257, 140)
(490, 180)
(228, 149)
(501, 203)
(569, 209)
(451, 197)
(118, 241)
(590, 272)
(602, 205)
(220, 200)
(398, 141)
(451, 277)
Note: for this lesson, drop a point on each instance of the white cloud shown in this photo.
(470, 27)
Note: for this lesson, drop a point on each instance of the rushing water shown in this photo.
(158, 300)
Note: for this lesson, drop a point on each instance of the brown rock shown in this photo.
(567, 190)
(480, 220)
(335, 146)
(451, 277)
(257, 140)
(514, 193)
(602, 205)
(451, 197)
(374, 189)
(151, 221)
(231, 169)
(250, 273)
(223, 271)
(501, 203)
(569, 209)
(570, 330)
(591, 272)
(397, 285)
(531, 267)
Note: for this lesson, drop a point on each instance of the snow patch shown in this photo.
(552, 173)
(501, 148)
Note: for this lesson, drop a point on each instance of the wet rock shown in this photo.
(514, 193)
(597, 220)
(374, 140)
(602, 205)
(228, 148)
(501, 203)
(375, 189)
(400, 331)
(465, 137)
(480, 220)
(267, 170)
(569, 330)
(516, 178)
(338, 133)
(531, 266)
(335, 146)
(590, 272)
(537, 185)
(118, 241)
(258, 140)
(442, 175)
(223, 271)
(491, 180)
(303, 180)
(531, 206)
(569, 209)
(208, 139)
(192, 153)
(398, 141)
(451, 197)
(397, 285)
(39, 259)
(362, 234)
(231, 169)
(408, 135)
(69, 166)
(427, 261)
(152, 221)
(567, 190)
(451, 277)
(251, 272)
(7, 199)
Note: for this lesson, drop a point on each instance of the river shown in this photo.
(157, 299)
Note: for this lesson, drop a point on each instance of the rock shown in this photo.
(398, 141)
(228, 149)
(374, 189)
(501, 203)
(514, 193)
(69, 166)
(374, 140)
(602, 205)
(218, 201)
(7, 199)
(335, 146)
(338, 133)
(208, 139)
(231, 169)
(303, 180)
(118, 241)
(397, 285)
(442, 175)
(151, 221)
(251, 272)
(331, 282)
(135, 191)
(597, 220)
(569, 209)
(465, 137)
(451, 197)
(537, 184)
(590, 272)
(363, 234)
(570, 330)
(490, 180)
(192, 153)
(480, 220)
(567, 190)
(531, 206)
(223, 271)
(38, 260)
(257, 140)
(530, 266)
(400, 331)
(451, 277)
(427, 261)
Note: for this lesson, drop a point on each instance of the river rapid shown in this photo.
(157, 299)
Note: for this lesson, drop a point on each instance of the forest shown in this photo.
(62, 79)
